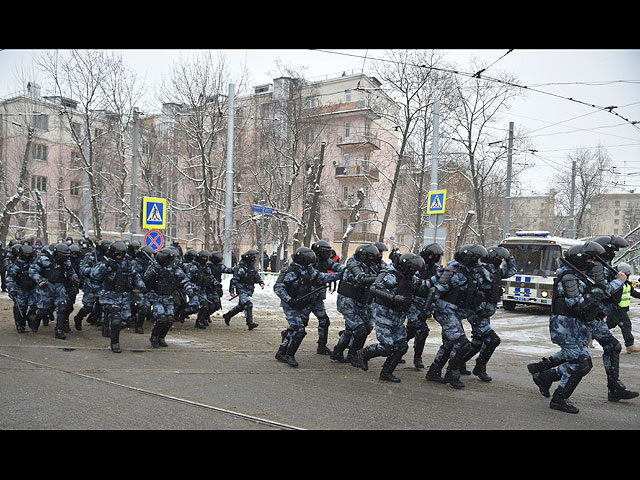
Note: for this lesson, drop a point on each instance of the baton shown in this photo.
(584, 277)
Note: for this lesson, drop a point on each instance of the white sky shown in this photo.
(558, 126)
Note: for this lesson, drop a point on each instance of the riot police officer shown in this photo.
(21, 288)
(162, 279)
(214, 290)
(245, 276)
(393, 291)
(91, 288)
(142, 307)
(456, 297)
(201, 277)
(118, 279)
(574, 307)
(419, 311)
(484, 340)
(323, 264)
(354, 302)
(294, 286)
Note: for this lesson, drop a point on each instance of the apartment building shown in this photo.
(348, 113)
(533, 212)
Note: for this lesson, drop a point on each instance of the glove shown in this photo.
(294, 303)
(42, 283)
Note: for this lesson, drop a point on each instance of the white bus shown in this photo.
(537, 256)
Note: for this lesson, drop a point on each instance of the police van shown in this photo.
(537, 255)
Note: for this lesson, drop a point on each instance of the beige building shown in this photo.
(533, 212)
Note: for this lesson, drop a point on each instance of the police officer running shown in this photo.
(245, 276)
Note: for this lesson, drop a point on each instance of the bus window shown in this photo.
(536, 259)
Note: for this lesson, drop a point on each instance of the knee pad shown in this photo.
(299, 333)
(402, 346)
(494, 339)
(583, 365)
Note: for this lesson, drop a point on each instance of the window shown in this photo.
(617, 212)
(189, 227)
(39, 152)
(77, 128)
(41, 122)
(616, 221)
(347, 95)
(39, 183)
(192, 200)
(345, 193)
(346, 157)
(347, 129)
(76, 159)
(74, 189)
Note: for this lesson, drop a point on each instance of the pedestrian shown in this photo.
(162, 279)
(619, 316)
(21, 288)
(119, 280)
(354, 302)
(393, 291)
(574, 307)
(245, 276)
(294, 286)
(455, 298)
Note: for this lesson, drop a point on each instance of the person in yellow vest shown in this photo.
(619, 317)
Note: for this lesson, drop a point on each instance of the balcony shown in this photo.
(356, 237)
(358, 140)
(364, 170)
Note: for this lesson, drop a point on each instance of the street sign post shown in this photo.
(154, 239)
(263, 211)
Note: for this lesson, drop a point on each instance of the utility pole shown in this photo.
(133, 223)
(507, 196)
(228, 215)
(436, 220)
(572, 202)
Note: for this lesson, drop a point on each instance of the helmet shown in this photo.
(496, 254)
(117, 250)
(249, 256)
(133, 247)
(16, 249)
(145, 252)
(432, 253)
(61, 252)
(611, 244)
(468, 255)
(190, 255)
(304, 256)
(367, 254)
(624, 268)
(216, 257)
(409, 263)
(165, 256)
(579, 254)
(103, 246)
(381, 246)
(74, 250)
(26, 252)
(203, 256)
(322, 249)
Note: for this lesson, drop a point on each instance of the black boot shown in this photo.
(250, 323)
(544, 364)
(282, 349)
(453, 371)
(292, 348)
(140, 316)
(619, 392)
(365, 354)
(418, 347)
(480, 371)
(115, 335)
(452, 377)
(560, 401)
(322, 341)
(343, 342)
(359, 338)
(544, 380)
(201, 319)
(434, 374)
(21, 323)
(390, 365)
(167, 326)
(234, 311)
(61, 320)
(490, 346)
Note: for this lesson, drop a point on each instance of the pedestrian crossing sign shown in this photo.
(436, 201)
(154, 213)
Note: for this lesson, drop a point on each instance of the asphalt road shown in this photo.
(226, 377)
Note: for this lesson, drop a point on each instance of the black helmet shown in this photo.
(165, 256)
(250, 256)
(468, 255)
(368, 254)
(103, 246)
(304, 256)
(190, 255)
(409, 263)
(611, 244)
(117, 250)
(432, 253)
(216, 257)
(74, 250)
(26, 252)
(133, 247)
(496, 254)
(579, 254)
(61, 252)
(203, 256)
(16, 249)
(322, 249)
(145, 252)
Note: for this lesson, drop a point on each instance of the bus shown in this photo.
(537, 255)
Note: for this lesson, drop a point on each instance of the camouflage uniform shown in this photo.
(142, 306)
(51, 271)
(162, 279)
(119, 279)
(393, 290)
(21, 288)
(90, 287)
(294, 282)
(201, 276)
(214, 291)
(245, 276)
